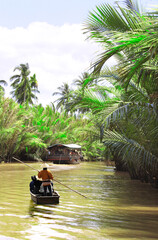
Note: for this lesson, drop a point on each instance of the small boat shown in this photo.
(41, 199)
(64, 153)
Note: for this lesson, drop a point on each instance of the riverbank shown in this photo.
(50, 166)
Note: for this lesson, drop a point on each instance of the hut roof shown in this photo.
(71, 146)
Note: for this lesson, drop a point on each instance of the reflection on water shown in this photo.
(116, 208)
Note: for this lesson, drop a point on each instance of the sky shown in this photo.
(48, 35)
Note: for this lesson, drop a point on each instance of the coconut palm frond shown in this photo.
(129, 149)
(136, 93)
(119, 113)
(131, 5)
(130, 108)
(3, 82)
(137, 42)
(96, 100)
(105, 17)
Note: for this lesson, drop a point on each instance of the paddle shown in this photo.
(53, 179)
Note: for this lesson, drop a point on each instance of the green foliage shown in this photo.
(137, 159)
(129, 115)
(17, 136)
(132, 38)
(27, 130)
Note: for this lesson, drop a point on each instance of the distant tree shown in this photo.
(85, 80)
(2, 82)
(65, 95)
(81, 79)
(23, 86)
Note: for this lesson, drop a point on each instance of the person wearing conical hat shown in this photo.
(46, 176)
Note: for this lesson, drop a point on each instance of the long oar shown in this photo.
(70, 188)
(53, 179)
(25, 164)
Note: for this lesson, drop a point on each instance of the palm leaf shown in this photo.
(129, 108)
(130, 150)
(138, 42)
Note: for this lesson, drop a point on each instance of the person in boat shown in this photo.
(35, 185)
(46, 176)
(32, 186)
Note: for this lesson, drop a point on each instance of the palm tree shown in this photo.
(128, 127)
(23, 87)
(65, 93)
(84, 80)
(130, 130)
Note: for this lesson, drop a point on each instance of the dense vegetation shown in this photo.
(112, 114)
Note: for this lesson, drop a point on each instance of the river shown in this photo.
(116, 207)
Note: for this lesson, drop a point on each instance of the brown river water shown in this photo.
(117, 208)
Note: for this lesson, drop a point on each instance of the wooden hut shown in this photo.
(65, 153)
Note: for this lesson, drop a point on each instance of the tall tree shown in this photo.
(23, 86)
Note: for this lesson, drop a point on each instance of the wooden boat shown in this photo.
(41, 199)
(65, 153)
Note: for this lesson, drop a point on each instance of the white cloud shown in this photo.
(56, 54)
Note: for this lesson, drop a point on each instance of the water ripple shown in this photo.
(116, 208)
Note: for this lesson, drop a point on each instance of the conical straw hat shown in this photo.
(45, 165)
